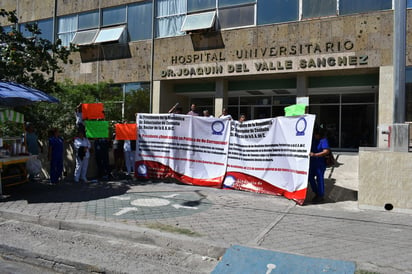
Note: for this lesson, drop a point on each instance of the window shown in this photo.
(45, 27)
(114, 16)
(169, 17)
(409, 4)
(139, 21)
(237, 16)
(199, 21)
(67, 27)
(277, 11)
(225, 3)
(200, 5)
(84, 28)
(7, 29)
(89, 20)
(318, 8)
(355, 6)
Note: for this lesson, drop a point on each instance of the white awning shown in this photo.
(199, 21)
(113, 34)
(82, 38)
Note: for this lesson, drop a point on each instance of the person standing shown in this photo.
(193, 110)
(82, 149)
(79, 118)
(225, 114)
(32, 140)
(118, 155)
(129, 147)
(206, 113)
(55, 155)
(317, 166)
(242, 118)
(101, 150)
(34, 165)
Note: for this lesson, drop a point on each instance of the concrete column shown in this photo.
(399, 60)
(156, 97)
(385, 105)
(301, 85)
(386, 98)
(221, 96)
(164, 97)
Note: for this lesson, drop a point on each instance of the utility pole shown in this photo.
(399, 60)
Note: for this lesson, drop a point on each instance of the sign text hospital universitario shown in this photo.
(296, 57)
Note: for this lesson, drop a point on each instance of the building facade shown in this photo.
(253, 57)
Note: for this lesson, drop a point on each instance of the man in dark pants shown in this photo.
(101, 148)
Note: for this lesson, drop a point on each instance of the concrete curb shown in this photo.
(132, 233)
(48, 262)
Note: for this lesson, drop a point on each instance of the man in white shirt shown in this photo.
(82, 148)
(225, 115)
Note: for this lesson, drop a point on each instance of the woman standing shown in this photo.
(320, 148)
(82, 149)
(129, 147)
(55, 155)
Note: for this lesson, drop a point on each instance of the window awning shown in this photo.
(82, 38)
(199, 21)
(113, 34)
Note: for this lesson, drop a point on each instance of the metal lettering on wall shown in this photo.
(301, 57)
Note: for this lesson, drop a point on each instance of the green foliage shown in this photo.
(136, 101)
(31, 61)
(46, 116)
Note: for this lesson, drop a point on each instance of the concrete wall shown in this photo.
(385, 178)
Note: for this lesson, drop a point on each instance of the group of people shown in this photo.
(319, 150)
(124, 153)
(194, 112)
(54, 154)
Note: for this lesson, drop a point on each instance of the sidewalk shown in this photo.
(207, 221)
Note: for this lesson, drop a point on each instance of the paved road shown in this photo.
(207, 221)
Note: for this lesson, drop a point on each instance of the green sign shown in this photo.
(97, 129)
(295, 110)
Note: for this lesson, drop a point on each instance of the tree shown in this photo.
(61, 115)
(32, 61)
(136, 101)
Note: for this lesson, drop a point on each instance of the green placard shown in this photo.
(97, 129)
(294, 110)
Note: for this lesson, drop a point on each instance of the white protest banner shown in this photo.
(190, 149)
(271, 156)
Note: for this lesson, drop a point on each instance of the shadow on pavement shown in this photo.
(40, 192)
(333, 193)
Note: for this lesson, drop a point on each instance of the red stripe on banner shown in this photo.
(269, 169)
(156, 170)
(253, 184)
(184, 159)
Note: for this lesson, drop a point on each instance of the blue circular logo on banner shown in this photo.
(218, 127)
(142, 170)
(300, 126)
